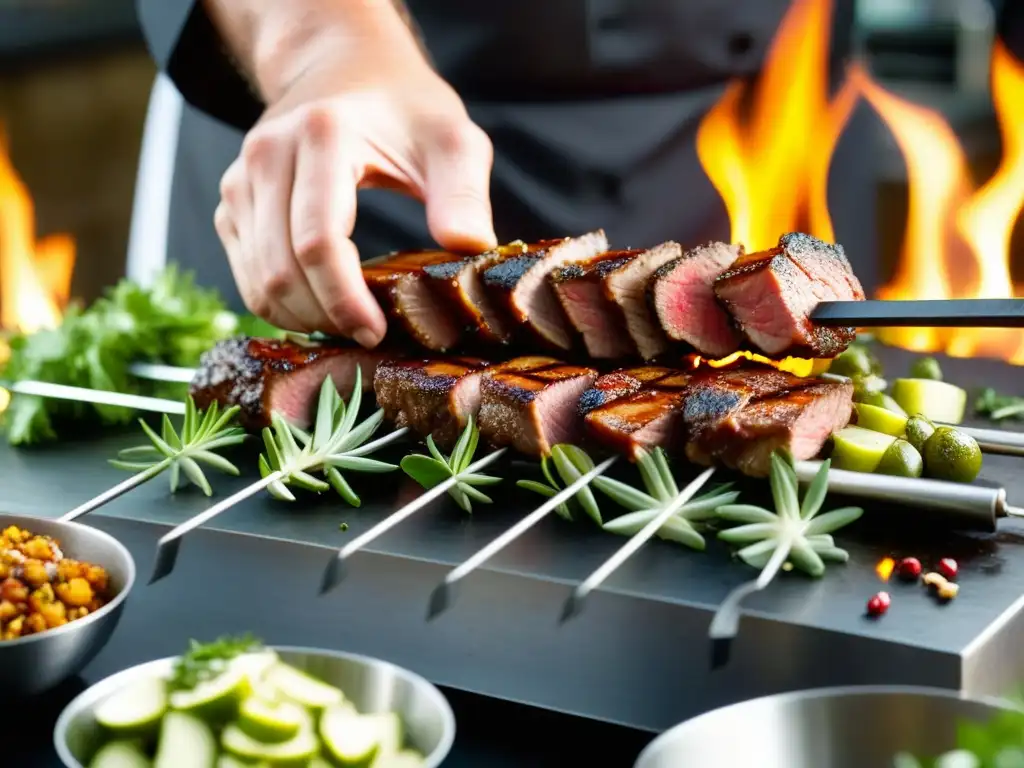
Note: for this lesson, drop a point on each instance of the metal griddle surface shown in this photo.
(638, 655)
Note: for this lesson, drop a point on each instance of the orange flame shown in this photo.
(885, 568)
(35, 276)
(772, 177)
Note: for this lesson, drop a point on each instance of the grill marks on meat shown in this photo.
(618, 384)
(530, 403)
(626, 287)
(403, 288)
(266, 375)
(431, 397)
(771, 295)
(580, 288)
(644, 419)
(459, 284)
(682, 295)
(515, 278)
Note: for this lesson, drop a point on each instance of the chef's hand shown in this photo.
(352, 102)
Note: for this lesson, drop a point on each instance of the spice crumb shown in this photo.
(343, 526)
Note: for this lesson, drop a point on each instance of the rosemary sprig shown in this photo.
(570, 464)
(661, 489)
(431, 470)
(998, 407)
(794, 525)
(204, 661)
(201, 435)
(336, 443)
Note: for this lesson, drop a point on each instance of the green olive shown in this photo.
(926, 368)
(854, 361)
(919, 429)
(901, 459)
(867, 388)
(950, 454)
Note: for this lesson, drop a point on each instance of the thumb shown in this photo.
(458, 200)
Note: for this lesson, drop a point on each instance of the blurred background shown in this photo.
(75, 80)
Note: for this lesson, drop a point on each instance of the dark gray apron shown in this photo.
(592, 106)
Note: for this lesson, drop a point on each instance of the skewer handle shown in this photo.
(938, 313)
(971, 507)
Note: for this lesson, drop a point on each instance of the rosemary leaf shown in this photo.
(652, 476)
(624, 495)
(815, 495)
(834, 520)
(535, 487)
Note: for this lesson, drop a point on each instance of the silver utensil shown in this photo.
(574, 603)
(444, 594)
(370, 684)
(159, 372)
(38, 662)
(337, 570)
(97, 396)
(995, 441)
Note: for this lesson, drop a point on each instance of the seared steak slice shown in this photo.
(530, 403)
(580, 289)
(516, 281)
(651, 417)
(771, 295)
(799, 420)
(400, 284)
(714, 397)
(459, 284)
(618, 384)
(266, 375)
(682, 295)
(431, 397)
(626, 286)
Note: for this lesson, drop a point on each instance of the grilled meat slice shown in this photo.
(771, 295)
(516, 281)
(642, 420)
(799, 420)
(580, 289)
(530, 403)
(618, 384)
(431, 397)
(714, 397)
(400, 284)
(266, 375)
(626, 286)
(682, 295)
(459, 285)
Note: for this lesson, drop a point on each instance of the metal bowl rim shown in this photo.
(92, 618)
(811, 694)
(443, 749)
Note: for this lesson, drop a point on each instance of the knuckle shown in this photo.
(278, 283)
(319, 125)
(339, 312)
(461, 137)
(258, 303)
(259, 149)
(312, 249)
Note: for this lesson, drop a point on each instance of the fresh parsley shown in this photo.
(204, 661)
(998, 407)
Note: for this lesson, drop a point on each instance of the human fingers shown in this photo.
(270, 164)
(233, 222)
(458, 160)
(323, 211)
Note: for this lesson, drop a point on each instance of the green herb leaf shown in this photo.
(570, 463)
(204, 661)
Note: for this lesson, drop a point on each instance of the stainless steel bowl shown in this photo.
(35, 663)
(826, 728)
(371, 684)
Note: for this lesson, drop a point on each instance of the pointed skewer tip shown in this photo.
(572, 607)
(334, 574)
(440, 600)
(721, 648)
(166, 556)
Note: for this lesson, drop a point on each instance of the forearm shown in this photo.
(275, 41)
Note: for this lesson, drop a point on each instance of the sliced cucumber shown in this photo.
(407, 758)
(217, 699)
(271, 722)
(136, 709)
(859, 449)
(880, 420)
(230, 761)
(938, 400)
(254, 665)
(350, 739)
(185, 742)
(302, 688)
(294, 753)
(120, 754)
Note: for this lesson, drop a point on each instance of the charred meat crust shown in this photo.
(401, 285)
(515, 279)
(530, 403)
(459, 285)
(643, 419)
(618, 384)
(244, 371)
(626, 288)
(430, 396)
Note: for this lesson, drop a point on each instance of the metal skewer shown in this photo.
(97, 396)
(996, 441)
(170, 543)
(940, 313)
(160, 372)
(575, 602)
(109, 495)
(337, 569)
(443, 595)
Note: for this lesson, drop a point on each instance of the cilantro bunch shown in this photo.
(173, 322)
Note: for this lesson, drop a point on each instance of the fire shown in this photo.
(770, 164)
(798, 366)
(35, 276)
(885, 568)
